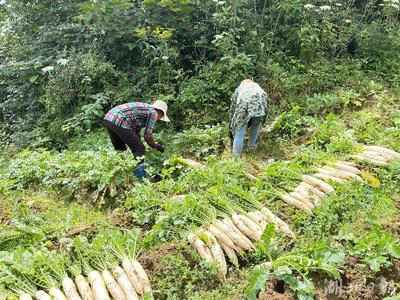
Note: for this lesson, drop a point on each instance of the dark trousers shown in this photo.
(122, 137)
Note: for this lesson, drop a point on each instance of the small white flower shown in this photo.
(62, 61)
(308, 6)
(47, 69)
(86, 79)
(339, 4)
(165, 57)
(325, 8)
(347, 21)
(217, 37)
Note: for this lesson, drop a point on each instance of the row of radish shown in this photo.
(237, 233)
(377, 155)
(122, 283)
(313, 188)
(232, 235)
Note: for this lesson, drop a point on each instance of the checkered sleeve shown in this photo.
(150, 123)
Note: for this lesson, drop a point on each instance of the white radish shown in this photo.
(243, 237)
(373, 155)
(70, 289)
(301, 198)
(98, 286)
(343, 174)
(133, 276)
(243, 227)
(200, 247)
(112, 286)
(254, 219)
(193, 164)
(252, 226)
(326, 177)
(42, 295)
(292, 201)
(125, 284)
(142, 275)
(376, 162)
(379, 154)
(83, 287)
(307, 194)
(259, 217)
(237, 240)
(231, 254)
(251, 177)
(347, 163)
(271, 217)
(216, 252)
(315, 191)
(332, 172)
(178, 198)
(388, 151)
(347, 168)
(25, 296)
(56, 294)
(267, 265)
(323, 186)
(222, 237)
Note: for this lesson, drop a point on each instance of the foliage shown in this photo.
(190, 53)
(331, 71)
(293, 267)
(70, 172)
(178, 279)
(200, 142)
(376, 248)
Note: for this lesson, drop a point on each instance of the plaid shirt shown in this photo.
(134, 116)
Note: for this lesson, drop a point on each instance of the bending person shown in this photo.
(124, 123)
(248, 110)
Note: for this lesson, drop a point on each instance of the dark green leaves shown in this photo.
(257, 283)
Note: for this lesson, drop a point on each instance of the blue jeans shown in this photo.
(238, 140)
(140, 171)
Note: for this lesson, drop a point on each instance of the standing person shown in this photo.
(124, 123)
(248, 109)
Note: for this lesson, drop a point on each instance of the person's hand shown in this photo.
(160, 148)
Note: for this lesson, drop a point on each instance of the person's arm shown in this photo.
(148, 132)
(233, 104)
(150, 141)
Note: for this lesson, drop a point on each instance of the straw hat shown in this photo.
(161, 105)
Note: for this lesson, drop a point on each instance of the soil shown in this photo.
(152, 260)
(121, 217)
(4, 217)
(276, 290)
(356, 284)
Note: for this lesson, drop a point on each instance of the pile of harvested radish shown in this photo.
(313, 188)
(377, 155)
(237, 233)
(121, 283)
(234, 235)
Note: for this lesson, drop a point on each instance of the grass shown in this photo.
(41, 207)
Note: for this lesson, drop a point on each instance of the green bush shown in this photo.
(200, 142)
(71, 173)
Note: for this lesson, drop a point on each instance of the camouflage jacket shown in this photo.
(249, 100)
